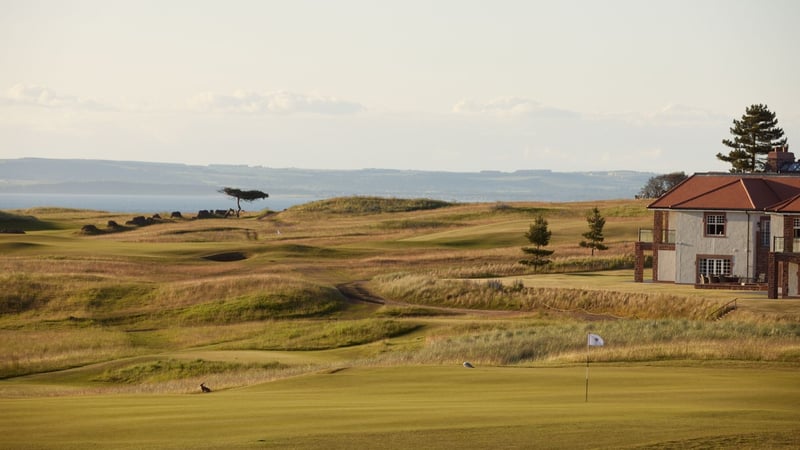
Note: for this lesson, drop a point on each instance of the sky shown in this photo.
(458, 86)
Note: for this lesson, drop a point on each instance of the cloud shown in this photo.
(280, 102)
(40, 96)
(510, 106)
(686, 115)
(672, 115)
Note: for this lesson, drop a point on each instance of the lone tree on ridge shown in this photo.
(594, 237)
(539, 235)
(755, 135)
(240, 195)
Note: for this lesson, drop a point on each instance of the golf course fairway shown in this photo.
(629, 406)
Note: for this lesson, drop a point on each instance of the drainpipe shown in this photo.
(747, 251)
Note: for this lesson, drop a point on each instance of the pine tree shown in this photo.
(755, 135)
(539, 235)
(594, 237)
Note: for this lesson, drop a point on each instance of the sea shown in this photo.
(186, 204)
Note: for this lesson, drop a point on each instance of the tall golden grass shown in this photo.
(493, 294)
(25, 351)
(559, 342)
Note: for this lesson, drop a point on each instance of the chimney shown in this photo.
(778, 158)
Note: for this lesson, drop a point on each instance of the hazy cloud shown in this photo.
(669, 116)
(510, 106)
(34, 95)
(280, 102)
(686, 115)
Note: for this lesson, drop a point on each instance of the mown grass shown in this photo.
(436, 407)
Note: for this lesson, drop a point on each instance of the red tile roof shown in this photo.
(743, 192)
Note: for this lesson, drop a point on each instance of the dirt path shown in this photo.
(357, 292)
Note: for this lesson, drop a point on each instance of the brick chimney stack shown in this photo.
(778, 158)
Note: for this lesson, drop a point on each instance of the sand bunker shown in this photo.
(225, 257)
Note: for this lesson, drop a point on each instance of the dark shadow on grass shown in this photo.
(226, 257)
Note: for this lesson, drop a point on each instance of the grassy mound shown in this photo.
(171, 369)
(315, 335)
(15, 222)
(369, 205)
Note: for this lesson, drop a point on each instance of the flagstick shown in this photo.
(587, 375)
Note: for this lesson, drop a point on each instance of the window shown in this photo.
(715, 224)
(796, 226)
(714, 266)
(764, 226)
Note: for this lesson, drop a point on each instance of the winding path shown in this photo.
(356, 292)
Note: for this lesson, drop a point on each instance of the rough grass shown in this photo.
(316, 335)
(26, 351)
(494, 295)
(558, 342)
(172, 369)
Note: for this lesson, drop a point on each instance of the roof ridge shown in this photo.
(704, 193)
(782, 203)
(769, 186)
(747, 192)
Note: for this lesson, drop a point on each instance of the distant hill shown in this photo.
(79, 176)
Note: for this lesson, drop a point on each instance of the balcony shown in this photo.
(782, 244)
(667, 236)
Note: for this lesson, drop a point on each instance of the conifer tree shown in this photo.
(755, 135)
(594, 237)
(539, 235)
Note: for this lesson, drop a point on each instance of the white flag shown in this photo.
(595, 340)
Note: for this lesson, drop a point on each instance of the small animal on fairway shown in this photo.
(468, 365)
(204, 388)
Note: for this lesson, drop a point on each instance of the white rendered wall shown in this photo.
(690, 242)
(666, 265)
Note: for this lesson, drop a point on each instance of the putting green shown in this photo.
(436, 407)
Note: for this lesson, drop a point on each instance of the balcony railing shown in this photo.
(667, 236)
(782, 244)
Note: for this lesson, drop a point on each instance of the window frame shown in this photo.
(765, 231)
(722, 265)
(723, 224)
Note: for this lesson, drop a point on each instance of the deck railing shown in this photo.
(646, 235)
(720, 312)
(782, 244)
